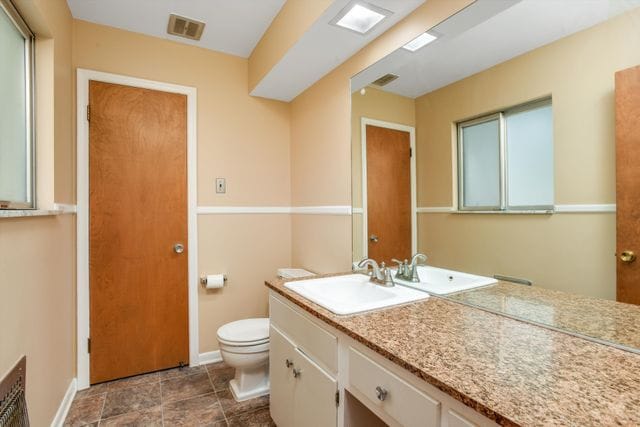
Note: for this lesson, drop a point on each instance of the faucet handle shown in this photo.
(388, 279)
(401, 267)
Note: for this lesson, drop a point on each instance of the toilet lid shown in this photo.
(245, 330)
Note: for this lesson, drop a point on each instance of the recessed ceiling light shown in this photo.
(360, 17)
(421, 41)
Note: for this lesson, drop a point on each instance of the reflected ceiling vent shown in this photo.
(385, 80)
(185, 27)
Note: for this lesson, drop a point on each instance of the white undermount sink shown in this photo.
(353, 293)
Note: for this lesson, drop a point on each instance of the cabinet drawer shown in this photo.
(311, 338)
(403, 402)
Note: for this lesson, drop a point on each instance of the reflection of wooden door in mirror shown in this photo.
(627, 188)
(388, 193)
(137, 216)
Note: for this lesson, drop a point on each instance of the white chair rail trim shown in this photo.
(586, 208)
(297, 210)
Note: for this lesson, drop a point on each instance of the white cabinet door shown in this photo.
(315, 395)
(281, 354)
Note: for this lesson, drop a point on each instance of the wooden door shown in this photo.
(388, 193)
(627, 184)
(137, 213)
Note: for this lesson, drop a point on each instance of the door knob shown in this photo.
(178, 248)
(296, 373)
(289, 363)
(373, 238)
(627, 256)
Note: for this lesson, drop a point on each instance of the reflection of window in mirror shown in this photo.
(505, 160)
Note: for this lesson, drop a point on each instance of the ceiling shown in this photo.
(485, 34)
(232, 26)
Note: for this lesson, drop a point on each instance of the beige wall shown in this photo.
(321, 144)
(37, 268)
(379, 105)
(241, 138)
(571, 252)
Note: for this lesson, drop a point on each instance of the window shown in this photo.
(505, 160)
(16, 114)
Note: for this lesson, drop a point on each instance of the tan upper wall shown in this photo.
(241, 138)
(293, 20)
(37, 285)
(578, 72)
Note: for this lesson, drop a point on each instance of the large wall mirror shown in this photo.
(489, 144)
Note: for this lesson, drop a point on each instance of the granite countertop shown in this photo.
(598, 318)
(513, 372)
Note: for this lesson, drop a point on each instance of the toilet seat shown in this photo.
(244, 349)
(243, 343)
(245, 332)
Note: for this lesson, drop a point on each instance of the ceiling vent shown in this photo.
(185, 27)
(385, 80)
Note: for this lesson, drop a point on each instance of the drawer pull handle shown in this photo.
(296, 373)
(381, 393)
(289, 363)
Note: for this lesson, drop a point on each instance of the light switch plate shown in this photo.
(221, 185)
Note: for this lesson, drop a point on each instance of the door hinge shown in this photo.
(88, 113)
(410, 152)
(337, 397)
(88, 345)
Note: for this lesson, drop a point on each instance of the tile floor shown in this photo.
(197, 396)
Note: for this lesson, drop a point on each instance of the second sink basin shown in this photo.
(353, 293)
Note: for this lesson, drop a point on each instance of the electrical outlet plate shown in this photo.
(221, 186)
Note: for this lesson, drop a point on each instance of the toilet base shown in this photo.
(240, 395)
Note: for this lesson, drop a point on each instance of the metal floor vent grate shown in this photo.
(13, 405)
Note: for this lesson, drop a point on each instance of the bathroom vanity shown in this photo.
(439, 363)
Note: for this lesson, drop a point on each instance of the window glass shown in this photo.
(530, 157)
(481, 164)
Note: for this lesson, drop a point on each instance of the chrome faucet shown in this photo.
(380, 274)
(409, 272)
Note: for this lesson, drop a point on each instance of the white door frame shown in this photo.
(364, 121)
(82, 219)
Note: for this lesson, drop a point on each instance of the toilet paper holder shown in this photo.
(203, 279)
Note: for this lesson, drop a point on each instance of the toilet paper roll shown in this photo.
(215, 281)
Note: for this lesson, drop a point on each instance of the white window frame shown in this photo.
(503, 206)
(22, 27)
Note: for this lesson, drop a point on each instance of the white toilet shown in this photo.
(244, 345)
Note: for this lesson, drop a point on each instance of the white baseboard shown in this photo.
(65, 405)
(210, 357)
